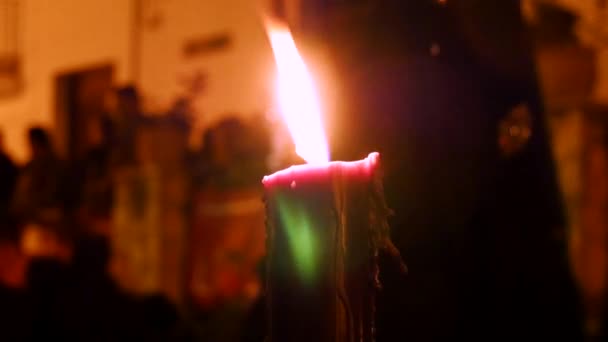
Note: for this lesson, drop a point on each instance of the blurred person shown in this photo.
(94, 307)
(160, 318)
(227, 146)
(123, 116)
(218, 150)
(40, 200)
(238, 152)
(15, 308)
(258, 146)
(181, 113)
(13, 262)
(227, 238)
(41, 187)
(137, 225)
(203, 159)
(47, 285)
(8, 178)
(92, 179)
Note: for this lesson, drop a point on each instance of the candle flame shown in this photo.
(298, 100)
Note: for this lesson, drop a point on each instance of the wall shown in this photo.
(67, 35)
(60, 36)
(238, 76)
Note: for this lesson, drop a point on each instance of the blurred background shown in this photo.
(134, 135)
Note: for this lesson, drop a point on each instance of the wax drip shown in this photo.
(380, 229)
(354, 316)
(380, 239)
(339, 211)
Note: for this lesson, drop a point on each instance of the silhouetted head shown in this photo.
(229, 134)
(127, 99)
(40, 142)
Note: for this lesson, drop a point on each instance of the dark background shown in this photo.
(427, 83)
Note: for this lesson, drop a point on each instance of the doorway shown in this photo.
(80, 105)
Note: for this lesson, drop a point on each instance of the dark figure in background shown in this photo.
(231, 165)
(81, 302)
(235, 152)
(15, 307)
(8, 179)
(92, 195)
(40, 196)
(446, 91)
(202, 168)
(47, 280)
(160, 319)
(124, 115)
(94, 308)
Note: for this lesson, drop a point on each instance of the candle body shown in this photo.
(324, 227)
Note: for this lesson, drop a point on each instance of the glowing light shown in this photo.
(298, 100)
(301, 238)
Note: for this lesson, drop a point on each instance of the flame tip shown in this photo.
(297, 96)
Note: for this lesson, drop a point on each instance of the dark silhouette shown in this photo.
(94, 309)
(91, 188)
(15, 314)
(234, 153)
(123, 118)
(47, 280)
(160, 318)
(40, 196)
(8, 179)
(16, 309)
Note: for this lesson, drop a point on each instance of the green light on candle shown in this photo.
(301, 238)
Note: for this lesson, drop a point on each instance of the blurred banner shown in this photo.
(137, 234)
(226, 245)
(150, 218)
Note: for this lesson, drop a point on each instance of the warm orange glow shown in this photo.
(298, 100)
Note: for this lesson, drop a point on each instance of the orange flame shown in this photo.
(298, 100)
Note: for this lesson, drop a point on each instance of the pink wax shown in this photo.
(324, 226)
(317, 174)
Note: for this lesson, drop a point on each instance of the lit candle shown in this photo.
(326, 222)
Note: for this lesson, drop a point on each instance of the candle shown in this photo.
(326, 222)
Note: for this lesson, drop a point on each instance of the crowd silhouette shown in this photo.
(56, 279)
